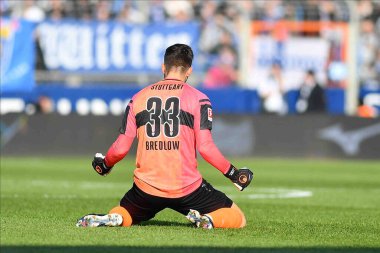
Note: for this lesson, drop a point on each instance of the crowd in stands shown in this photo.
(142, 11)
(369, 43)
(219, 19)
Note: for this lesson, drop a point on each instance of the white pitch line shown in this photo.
(285, 195)
(249, 193)
(274, 193)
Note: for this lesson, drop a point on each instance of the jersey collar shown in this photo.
(165, 79)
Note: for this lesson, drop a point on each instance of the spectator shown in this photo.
(82, 10)
(311, 98)
(131, 15)
(5, 8)
(271, 92)
(45, 105)
(179, 10)
(219, 30)
(274, 10)
(311, 10)
(57, 11)
(377, 68)
(365, 8)
(220, 21)
(157, 11)
(328, 11)
(223, 73)
(211, 33)
(29, 10)
(368, 46)
(103, 11)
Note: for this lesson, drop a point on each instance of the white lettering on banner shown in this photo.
(154, 46)
(68, 49)
(135, 48)
(66, 46)
(79, 46)
(48, 37)
(102, 47)
(118, 40)
(85, 44)
(183, 38)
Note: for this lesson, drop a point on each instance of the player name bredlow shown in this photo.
(167, 87)
(162, 145)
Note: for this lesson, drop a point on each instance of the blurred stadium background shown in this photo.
(311, 67)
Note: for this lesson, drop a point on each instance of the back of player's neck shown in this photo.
(175, 77)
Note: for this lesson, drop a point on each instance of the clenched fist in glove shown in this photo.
(241, 178)
(100, 166)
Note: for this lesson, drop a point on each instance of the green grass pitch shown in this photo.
(292, 205)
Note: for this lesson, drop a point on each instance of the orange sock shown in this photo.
(127, 219)
(231, 217)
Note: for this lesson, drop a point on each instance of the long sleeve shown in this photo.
(120, 148)
(205, 144)
(210, 152)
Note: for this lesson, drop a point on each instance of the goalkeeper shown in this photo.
(171, 120)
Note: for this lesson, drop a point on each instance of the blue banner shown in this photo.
(111, 46)
(17, 56)
(248, 100)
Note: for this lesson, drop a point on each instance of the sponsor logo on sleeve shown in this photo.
(209, 114)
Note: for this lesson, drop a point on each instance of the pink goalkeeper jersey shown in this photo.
(171, 120)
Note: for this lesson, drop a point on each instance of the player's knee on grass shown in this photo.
(231, 217)
(127, 219)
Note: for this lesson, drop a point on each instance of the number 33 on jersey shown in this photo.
(167, 118)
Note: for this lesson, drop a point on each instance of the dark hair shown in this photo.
(310, 72)
(178, 55)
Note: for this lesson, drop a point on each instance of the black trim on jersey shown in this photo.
(205, 122)
(172, 79)
(142, 118)
(186, 118)
(204, 100)
(124, 122)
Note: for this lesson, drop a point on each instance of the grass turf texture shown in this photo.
(41, 199)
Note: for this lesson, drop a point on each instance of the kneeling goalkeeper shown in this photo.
(172, 120)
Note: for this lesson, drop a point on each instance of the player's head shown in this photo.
(178, 59)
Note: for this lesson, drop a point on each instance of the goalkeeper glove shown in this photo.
(241, 178)
(100, 166)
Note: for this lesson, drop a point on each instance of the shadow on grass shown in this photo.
(132, 249)
(164, 223)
